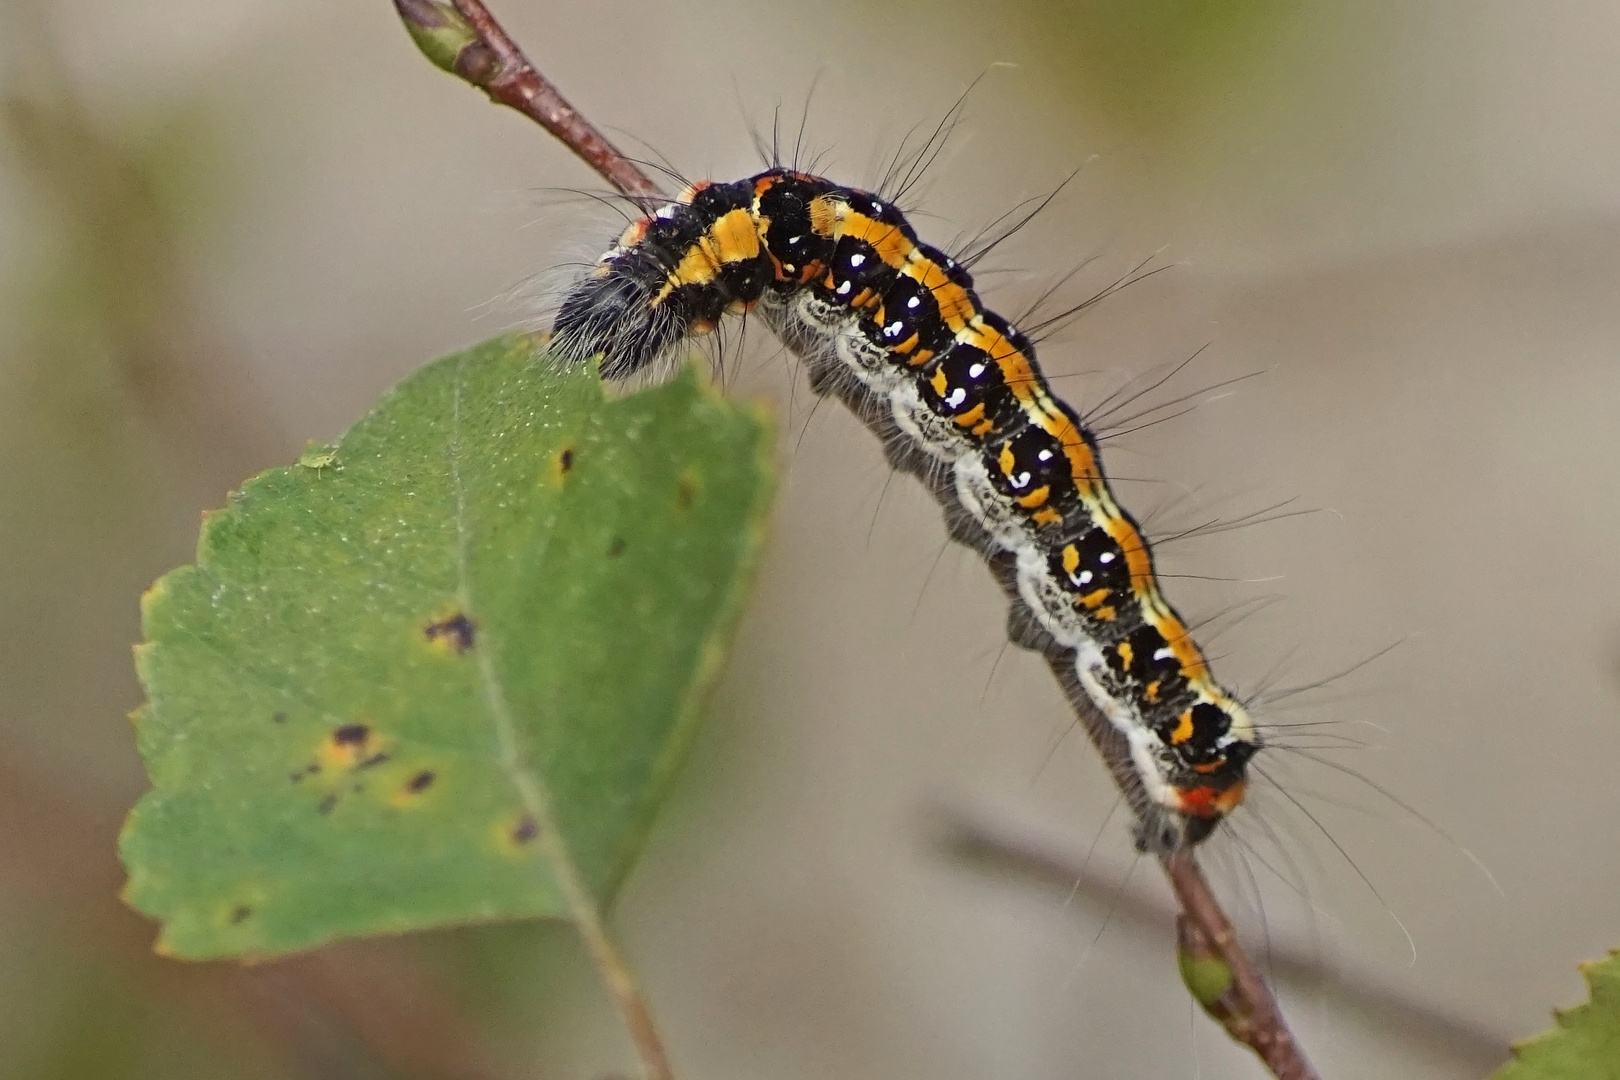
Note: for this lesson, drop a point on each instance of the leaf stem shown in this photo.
(610, 962)
(559, 857)
(490, 60)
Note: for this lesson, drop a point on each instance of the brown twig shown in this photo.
(466, 40)
(996, 842)
(1246, 1008)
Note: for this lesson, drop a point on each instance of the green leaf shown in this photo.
(496, 605)
(1585, 1044)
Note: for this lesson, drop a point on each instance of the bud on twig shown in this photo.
(438, 30)
(1207, 975)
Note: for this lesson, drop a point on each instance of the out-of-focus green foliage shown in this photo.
(1149, 65)
(1585, 1043)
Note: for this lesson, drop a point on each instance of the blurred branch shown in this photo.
(114, 330)
(59, 847)
(117, 298)
(467, 41)
(1000, 846)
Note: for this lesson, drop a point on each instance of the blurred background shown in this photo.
(227, 226)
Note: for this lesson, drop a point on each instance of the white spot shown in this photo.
(956, 397)
(843, 288)
(1021, 480)
(790, 268)
(1163, 654)
(857, 259)
(877, 208)
(795, 239)
(915, 301)
(1084, 578)
(1106, 557)
(665, 212)
(975, 371)
(894, 328)
(1045, 455)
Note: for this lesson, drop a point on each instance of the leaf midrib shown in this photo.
(525, 780)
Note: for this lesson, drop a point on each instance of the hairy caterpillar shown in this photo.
(894, 327)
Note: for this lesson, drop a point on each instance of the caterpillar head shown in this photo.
(1200, 772)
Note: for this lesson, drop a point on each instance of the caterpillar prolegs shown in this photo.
(894, 327)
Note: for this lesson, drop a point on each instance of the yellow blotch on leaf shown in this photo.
(515, 836)
(349, 746)
(413, 790)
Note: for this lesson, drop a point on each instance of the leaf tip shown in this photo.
(151, 599)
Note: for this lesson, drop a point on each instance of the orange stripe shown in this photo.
(956, 305)
(734, 237)
(971, 417)
(1184, 729)
(634, 232)
(830, 217)
(1035, 498)
(893, 246)
(823, 216)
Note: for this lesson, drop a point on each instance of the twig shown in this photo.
(463, 38)
(1245, 1007)
(997, 842)
(466, 41)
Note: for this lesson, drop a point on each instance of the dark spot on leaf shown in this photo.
(351, 735)
(329, 803)
(686, 492)
(279, 718)
(525, 830)
(565, 460)
(616, 548)
(297, 776)
(358, 789)
(420, 782)
(241, 912)
(374, 759)
(312, 768)
(458, 631)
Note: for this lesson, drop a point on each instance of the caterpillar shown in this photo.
(894, 327)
